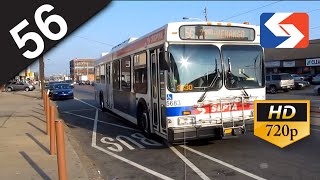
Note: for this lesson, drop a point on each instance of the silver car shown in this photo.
(16, 86)
(281, 81)
(317, 90)
(316, 79)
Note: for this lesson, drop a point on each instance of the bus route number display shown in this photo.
(218, 33)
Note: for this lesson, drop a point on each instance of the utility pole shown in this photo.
(41, 74)
(87, 69)
(206, 14)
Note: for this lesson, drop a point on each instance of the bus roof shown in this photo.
(168, 32)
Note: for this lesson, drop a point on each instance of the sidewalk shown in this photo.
(24, 145)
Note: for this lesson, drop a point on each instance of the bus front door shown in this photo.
(158, 103)
(108, 85)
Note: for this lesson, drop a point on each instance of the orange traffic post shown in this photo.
(62, 169)
(52, 130)
(44, 100)
(48, 114)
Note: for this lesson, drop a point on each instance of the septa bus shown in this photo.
(185, 80)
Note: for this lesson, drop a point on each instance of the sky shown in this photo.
(124, 19)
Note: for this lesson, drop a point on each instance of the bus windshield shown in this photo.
(243, 66)
(194, 68)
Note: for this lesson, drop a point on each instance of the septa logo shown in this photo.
(284, 30)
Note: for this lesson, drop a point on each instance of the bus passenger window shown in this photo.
(97, 72)
(126, 74)
(115, 74)
(102, 74)
(140, 73)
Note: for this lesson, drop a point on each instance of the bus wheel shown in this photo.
(144, 123)
(102, 103)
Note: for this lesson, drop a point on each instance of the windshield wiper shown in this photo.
(217, 75)
(244, 92)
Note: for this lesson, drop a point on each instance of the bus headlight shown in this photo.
(188, 120)
(237, 99)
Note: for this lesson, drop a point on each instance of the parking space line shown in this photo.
(112, 124)
(189, 163)
(315, 129)
(223, 163)
(94, 145)
(87, 103)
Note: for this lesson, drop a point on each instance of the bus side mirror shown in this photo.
(163, 64)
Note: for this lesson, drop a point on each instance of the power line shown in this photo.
(315, 27)
(313, 10)
(94, 41)
(251, 10)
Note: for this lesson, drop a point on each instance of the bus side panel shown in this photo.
(125, 102)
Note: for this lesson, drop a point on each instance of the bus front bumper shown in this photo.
(180, 134)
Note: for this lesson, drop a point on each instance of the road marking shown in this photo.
(94, 135)
(94, 145)
(112, 124)
(223, 163)
(87, 103)
(80, 110)
(189, 163)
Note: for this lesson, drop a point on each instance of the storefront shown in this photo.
(313, 65)
(294, 61)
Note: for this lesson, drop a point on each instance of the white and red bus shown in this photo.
(185, 80)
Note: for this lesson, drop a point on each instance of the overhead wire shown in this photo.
(88, 39)
(233, 16)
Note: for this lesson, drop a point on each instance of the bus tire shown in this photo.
(101, 102)
(143, 120)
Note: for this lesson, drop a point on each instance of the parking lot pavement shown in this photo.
(120, 151)
(24, 145)
(306, 94)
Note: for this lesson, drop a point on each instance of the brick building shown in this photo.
(295, 61)
(82, 67)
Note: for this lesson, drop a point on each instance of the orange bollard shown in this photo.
(44, 101)
(52, 130)
(62, 169)
(48, 114)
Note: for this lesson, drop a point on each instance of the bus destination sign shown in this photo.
(218, 33)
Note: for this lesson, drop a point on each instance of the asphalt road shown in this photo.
(120, 151)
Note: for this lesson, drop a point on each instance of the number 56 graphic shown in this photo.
(44, 28)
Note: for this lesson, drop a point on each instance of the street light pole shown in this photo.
(187, 18)
(87, 69)
(41, 74)
(206, 14)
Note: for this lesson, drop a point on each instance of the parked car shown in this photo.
(281, 81)
(297, 77)
(49, 87)
(316, 79)
(62, 91)
(301, 84)
(81, 82)
(307, 77)
(317, 90)
(72, 83)
(16, 86)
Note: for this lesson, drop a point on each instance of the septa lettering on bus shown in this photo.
(212, 108)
